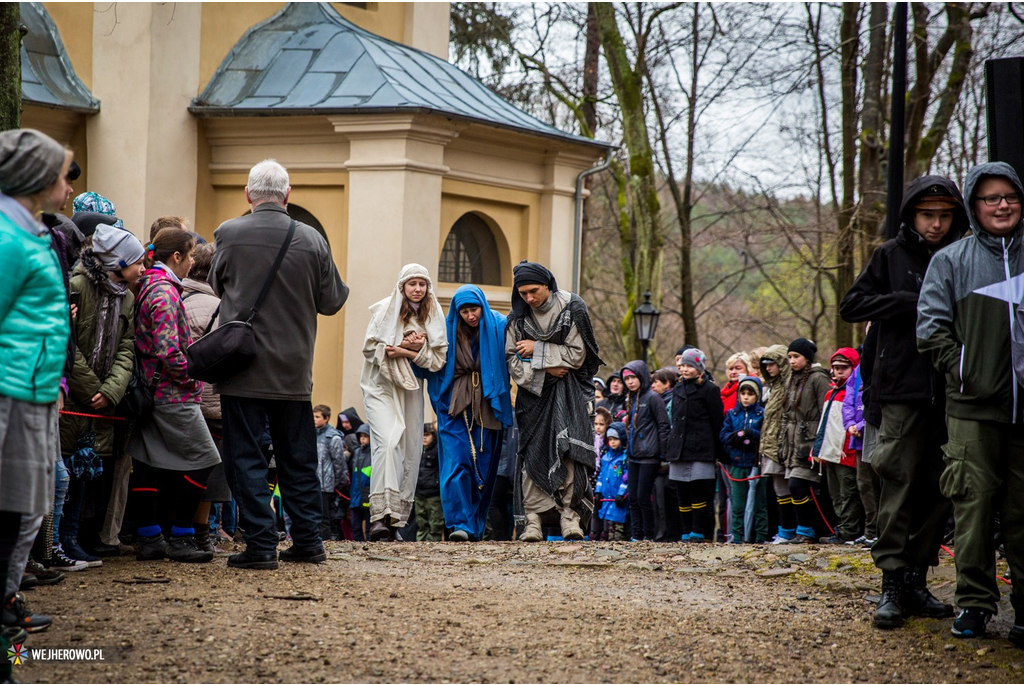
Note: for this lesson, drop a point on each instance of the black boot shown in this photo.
(889, 613)
(918, 600)
(202, 537)
(150, 548)
(186, 550)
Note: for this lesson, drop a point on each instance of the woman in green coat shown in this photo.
(105, 348)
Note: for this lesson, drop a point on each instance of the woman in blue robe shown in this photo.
(473, 405)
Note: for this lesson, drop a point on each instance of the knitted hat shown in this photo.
(30, 161)
(695, 358)
(116, 248)
(94, 202)
(848, 354)
(804, 347)
(88, 221)
(598, 383)
(750, 383)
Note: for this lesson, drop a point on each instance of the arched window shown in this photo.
(470, 253)
(303, 215)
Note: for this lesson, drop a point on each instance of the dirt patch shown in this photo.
(508, 612)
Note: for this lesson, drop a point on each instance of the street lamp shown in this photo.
(646, 319)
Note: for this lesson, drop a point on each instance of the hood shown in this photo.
(748, 380)
(363, 430)
(353, 418)
(617, 427)
(917, 188)
(979, 172)
(641, 371)
(779, 355)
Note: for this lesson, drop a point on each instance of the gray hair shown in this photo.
(268, 182)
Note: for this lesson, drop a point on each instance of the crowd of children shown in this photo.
(726, 447)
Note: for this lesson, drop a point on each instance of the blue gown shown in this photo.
(468, 457)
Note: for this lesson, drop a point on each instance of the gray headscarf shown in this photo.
(30, 161)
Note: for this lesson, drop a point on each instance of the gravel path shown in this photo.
(509, 612)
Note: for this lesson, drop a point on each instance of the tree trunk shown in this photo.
(849, 31)
(591, 71)
(10, 66)
(642, 234)
(871, 210)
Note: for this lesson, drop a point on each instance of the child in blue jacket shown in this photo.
(359, 494)
(611, 484)
(741, 436)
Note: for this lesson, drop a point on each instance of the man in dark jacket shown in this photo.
(912, 513)
(967, 321)
(278, 385)
(646, 440)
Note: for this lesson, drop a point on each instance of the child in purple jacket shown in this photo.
(853, 421)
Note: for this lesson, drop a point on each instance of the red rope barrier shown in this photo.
(815, 498)
(948, 551)
(93, 416)
(740, 480)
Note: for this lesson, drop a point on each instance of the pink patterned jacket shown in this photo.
(161, 336)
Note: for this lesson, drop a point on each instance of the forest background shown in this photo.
(749, 187)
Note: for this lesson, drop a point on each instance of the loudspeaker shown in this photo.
(1004, 84)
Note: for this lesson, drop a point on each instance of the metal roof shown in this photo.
(308, 59)
(47, 77)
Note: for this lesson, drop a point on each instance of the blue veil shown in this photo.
(493, 369)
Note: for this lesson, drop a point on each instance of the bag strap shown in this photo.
(273, 271)
(213, 317)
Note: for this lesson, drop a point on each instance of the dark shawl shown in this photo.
(556, 429)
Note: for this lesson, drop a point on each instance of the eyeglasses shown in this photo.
(994, 200)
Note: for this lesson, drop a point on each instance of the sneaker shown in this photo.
(971, 623)
(258, 561)
(13, 634)
(1016, 636)
(186, 550)
(832, 540)
(801, 540)
(105, 550)
(28, 581)
(16, 614)
(44, 576)
(868, 543)
(75, 551)
(779, 540)
(316, 555)
(62, 562)
(859, 541)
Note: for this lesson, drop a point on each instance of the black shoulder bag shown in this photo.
(231, 347)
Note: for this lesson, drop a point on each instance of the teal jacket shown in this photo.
(33, 316)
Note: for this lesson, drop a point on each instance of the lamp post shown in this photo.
(645, 317)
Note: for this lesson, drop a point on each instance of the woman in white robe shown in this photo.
(405, 340)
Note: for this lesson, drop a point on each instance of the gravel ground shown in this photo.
(509, 612)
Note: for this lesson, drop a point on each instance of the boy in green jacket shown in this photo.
(966, 313)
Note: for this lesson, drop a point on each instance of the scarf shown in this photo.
(109, 297)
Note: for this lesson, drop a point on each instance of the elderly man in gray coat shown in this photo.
(279, 383)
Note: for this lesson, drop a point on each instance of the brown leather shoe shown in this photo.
(379, 532)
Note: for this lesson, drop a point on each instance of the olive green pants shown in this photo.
(842, 486)
(912, 514)
(984, 475)
(429, 519)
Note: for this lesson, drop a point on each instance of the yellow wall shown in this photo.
(74, 22)
(225, 22)
(324, 196)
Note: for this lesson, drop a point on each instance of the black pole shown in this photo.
(897, 129)
(644, 344)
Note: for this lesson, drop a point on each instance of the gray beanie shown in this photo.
(30, 161)
(115, 247)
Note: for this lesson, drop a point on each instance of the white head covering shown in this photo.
(386, 327)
